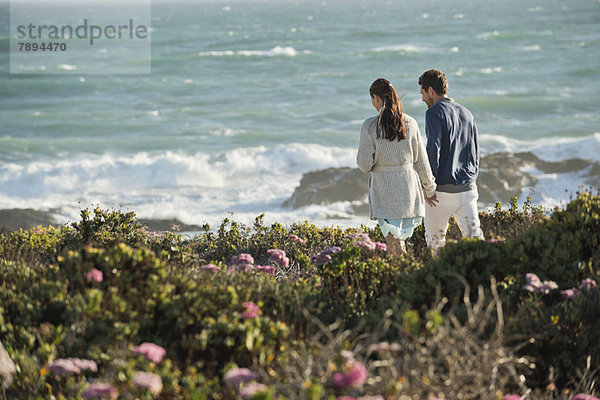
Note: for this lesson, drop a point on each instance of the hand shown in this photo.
(432, 201)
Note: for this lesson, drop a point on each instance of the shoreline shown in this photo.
(13, 219)
(502, 176)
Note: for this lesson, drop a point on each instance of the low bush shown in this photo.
(302, 311)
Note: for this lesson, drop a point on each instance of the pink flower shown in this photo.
(324, 256)
(534, 284)
(380, 246)
(570, 293)
(295, 238)
(148, 381)
(345, 398)
(151, 351)
(278, 257)
(583, 396)
(210, 267)
(266, 268)
(355, 375)
(495, 240)
(100, 390)
(94, 275)
(383, 347)
(71, 366)
(588, 284)
(512, 397)
(363, 240)
(252, 310)
(237, 376)
(252, 388)
(240, 268)
(243, 258)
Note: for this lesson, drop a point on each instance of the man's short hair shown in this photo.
(435, 79)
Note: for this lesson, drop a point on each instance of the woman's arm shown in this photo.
(366, 146)
(422, 165)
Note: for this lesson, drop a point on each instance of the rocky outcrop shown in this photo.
(502, 176)
(26, 218)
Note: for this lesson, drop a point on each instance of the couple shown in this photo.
(401, 167)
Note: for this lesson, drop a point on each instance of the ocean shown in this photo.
(245, 97)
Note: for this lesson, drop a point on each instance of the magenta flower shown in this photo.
(151, 351)
(362, 240)
(588, 284)
(269, 269)
(94, 275)
(148, 381)
(383, 347)
(100, 390)
(583, 396)
(354, 375)
(252, 310)
(380, 246)
(570, 293)
(240, 268)
(210, 267)
(534, 284)
(251, 389)
(295, 238)
(512, 397)
(324, 256)
(237, 376)
(278, 257)
(72, 366)
(243, 258)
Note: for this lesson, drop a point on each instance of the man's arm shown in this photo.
(433, 130)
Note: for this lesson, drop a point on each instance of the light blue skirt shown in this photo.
(399, 228)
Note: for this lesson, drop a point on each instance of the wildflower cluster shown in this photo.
(324, 256)
(84, 308)
(535, 285)
(244, 380)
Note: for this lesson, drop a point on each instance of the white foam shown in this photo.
(286, 51)
(246, 181)
(535, 47)
(401, 48)
(548, 149)
(490, 70)
(195, 188)
(488, 35)
(67, 67)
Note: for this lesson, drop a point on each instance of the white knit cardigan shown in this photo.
(399, 170)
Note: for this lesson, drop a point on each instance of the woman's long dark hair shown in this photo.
(391, 122)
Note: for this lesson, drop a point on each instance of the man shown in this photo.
(453, 150)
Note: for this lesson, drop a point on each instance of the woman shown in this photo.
(392, 152)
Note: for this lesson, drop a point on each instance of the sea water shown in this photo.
(246, 96)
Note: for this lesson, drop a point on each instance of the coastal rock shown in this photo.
(329, 186)
(26, 218)
(501, 177)
(18, 218)
(173, 225)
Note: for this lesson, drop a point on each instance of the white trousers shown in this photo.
(463, 206)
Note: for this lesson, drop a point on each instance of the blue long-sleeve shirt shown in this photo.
(452, 145)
